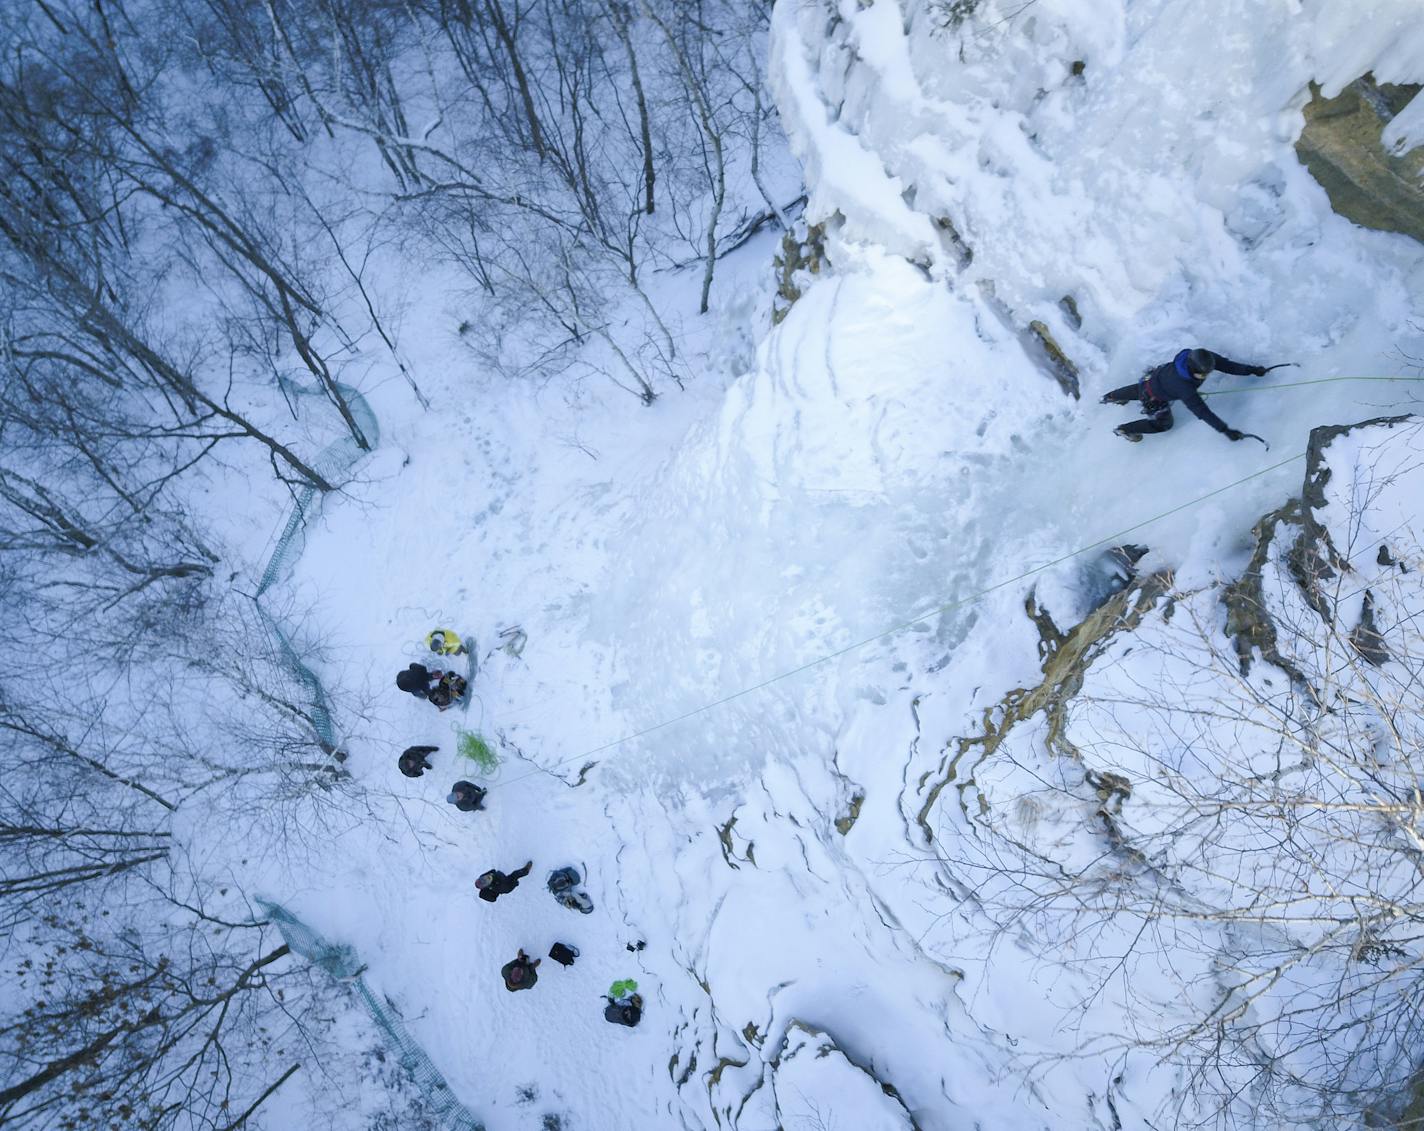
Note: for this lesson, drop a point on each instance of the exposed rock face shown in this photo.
(1313, 559)
(1037, 340)
(1066, 658)
(1341, 147)
(803, 250)
(817, 1085)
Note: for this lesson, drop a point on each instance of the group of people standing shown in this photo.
(624, 1005)
(466, 796)
(442, 688)
(519, 973)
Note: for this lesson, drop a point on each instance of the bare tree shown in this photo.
(146, 993)
(1223, 836)
(123, 1034)
(538, 165)
(193, 221)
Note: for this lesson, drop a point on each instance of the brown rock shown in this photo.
(1341, 147)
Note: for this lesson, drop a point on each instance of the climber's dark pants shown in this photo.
(1158, 413)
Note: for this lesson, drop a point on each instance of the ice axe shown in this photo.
(1253, 436)
(1282, 365)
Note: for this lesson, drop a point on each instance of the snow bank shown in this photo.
(1405, 130)
(835, 492)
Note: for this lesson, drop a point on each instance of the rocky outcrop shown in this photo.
(1066, 658)
(1037, 341)
(817, 1085)
(1341, 146)
(1311, 558)
(1248, 624)
(1293, 550)
(802, 256)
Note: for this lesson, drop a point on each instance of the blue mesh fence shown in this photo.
(333, 464)
(341, 961)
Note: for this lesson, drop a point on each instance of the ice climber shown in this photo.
(1177, 380)
(415, 760)
(466, 796)
(494, 883)
(519, 974)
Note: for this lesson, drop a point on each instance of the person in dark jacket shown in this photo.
(494, 883)
(450, 689)
(466, 796)
(1177, 380)
(519, 973)
(414, 760)
(419, 680)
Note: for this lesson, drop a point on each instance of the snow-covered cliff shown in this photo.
(926, 812)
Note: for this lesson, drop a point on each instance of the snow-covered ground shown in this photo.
(798, 583)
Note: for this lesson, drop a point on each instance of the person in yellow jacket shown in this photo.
(445, 642)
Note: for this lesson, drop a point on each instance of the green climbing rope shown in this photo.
(1302, 384)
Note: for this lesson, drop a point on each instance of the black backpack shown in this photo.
(627, 1013)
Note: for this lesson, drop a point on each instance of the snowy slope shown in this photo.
(892, 447)
(1235, 811)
